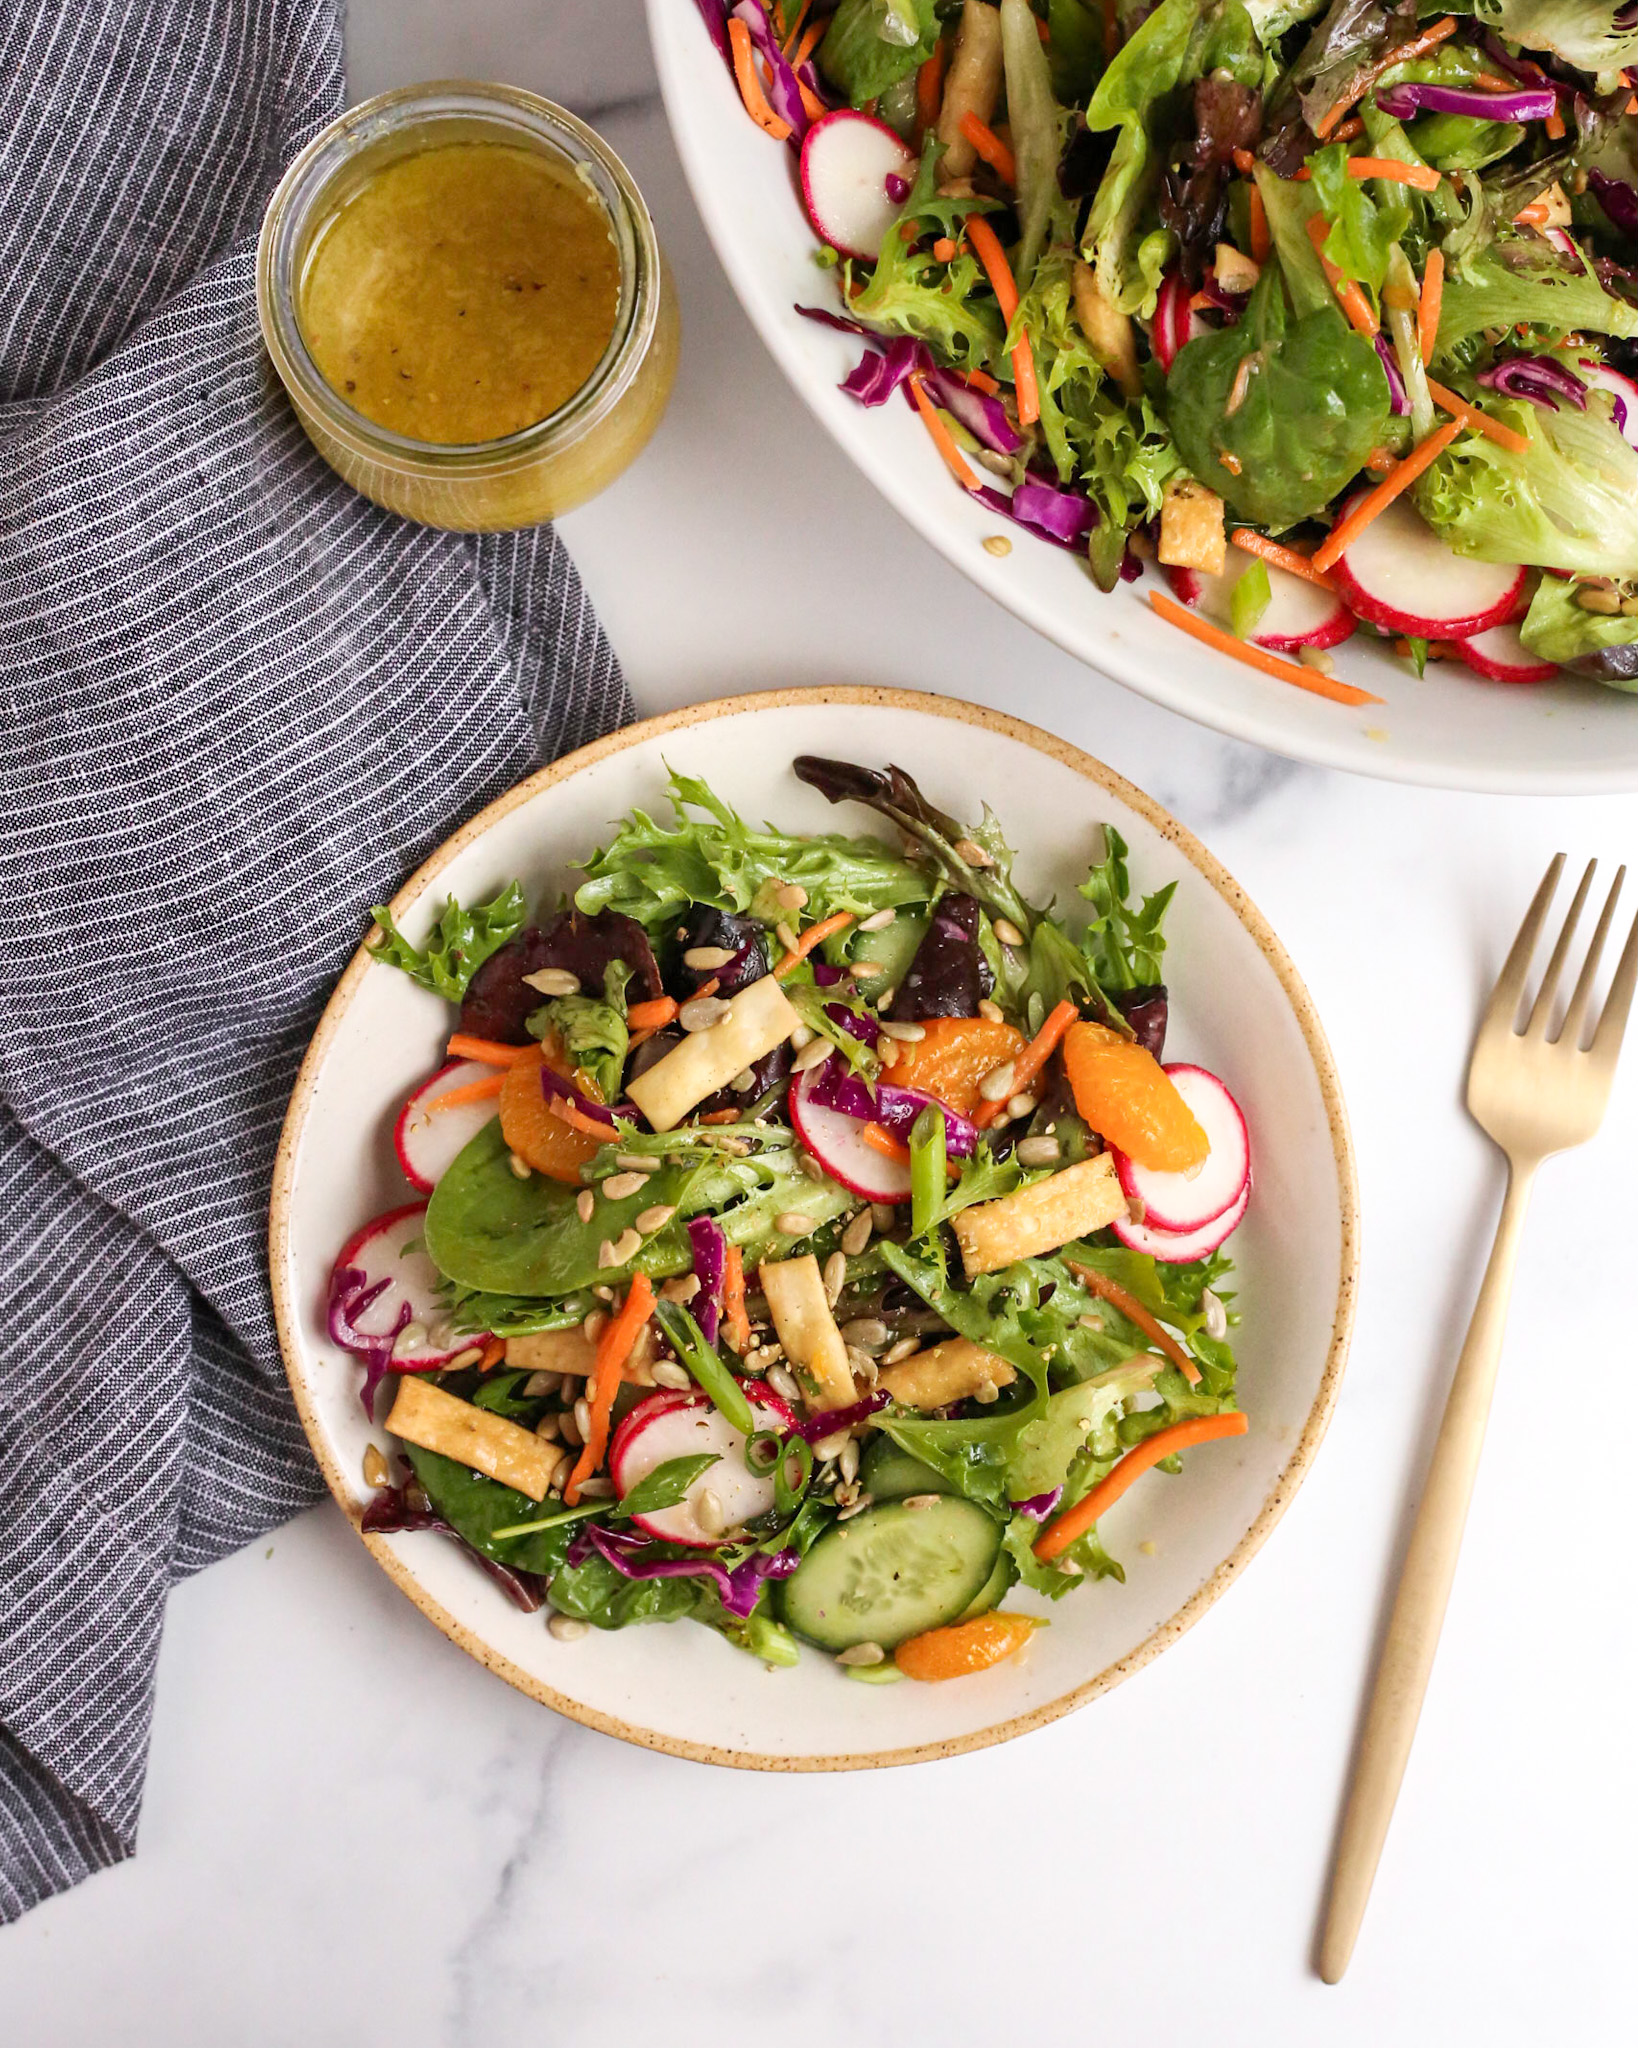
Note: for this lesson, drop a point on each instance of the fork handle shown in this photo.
(1424, 1590)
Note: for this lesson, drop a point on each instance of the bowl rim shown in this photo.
(1256, 721)
(1211, 871)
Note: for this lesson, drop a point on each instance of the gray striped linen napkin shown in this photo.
(237, 703)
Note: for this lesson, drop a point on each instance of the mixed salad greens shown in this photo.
(1334, 309)
(811, 1241)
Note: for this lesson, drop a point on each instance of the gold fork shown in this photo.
(1534, 1094)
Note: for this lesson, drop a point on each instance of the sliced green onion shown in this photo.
(705, 1364)
(788, 1493)
(928, 1157)
(762, 1452)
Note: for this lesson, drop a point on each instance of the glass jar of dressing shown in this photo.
(463, 294)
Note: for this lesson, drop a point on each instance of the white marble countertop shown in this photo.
(353, 1833)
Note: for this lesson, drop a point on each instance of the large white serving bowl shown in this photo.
(1449, 729)
(1237, 1007)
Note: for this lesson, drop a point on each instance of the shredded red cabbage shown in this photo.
(784, 93)
(1043, 509)
(817, 1427)
(1039, 1505)
(875, 377)
(390, 1511)
(349, 1298)
(1618, 199)
(1528, 104)
(1537, 378)
(1390, 366)
(710, 1264)
(895, 1109)
(554, 1084)
(980, 412)
(715, 14)
(839, 321)
(863, 1028)
(827, 976)
(739, 1589)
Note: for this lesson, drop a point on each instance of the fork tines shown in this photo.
(1507, 1000)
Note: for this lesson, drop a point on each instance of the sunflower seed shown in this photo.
(594, 1325)
(987, 1393)
(880, 921)
(1090, 1322)
(973, 854)
(810, 1166)
(1021, 1105)
(1136, 1208)
(567, 1628)
(862, 1653)
(847, 1494)
(462, 1359)
(792, 1223)
(906, 1347)
(791, 896)
(785, 936)
(411, 1338)
(848, 1459)
(520, 1167)
(1037, 1152)
(854, 1507)
(582, 1417)
(1593, 599)
(999, 1082)
(907, 1034)
(992, 1011)
(553, 981)
(708, 958)
(1006, 931)
(709, 1511)
(835, 1277)
(605, 1253)
(539, 1384)
(997, 544)
(921, 1500)
(857, 1234)
(597, 1489)
(702, 1013)
(647, 1220)
(569, 1429)
(619, 1185)
(866, 970)
(683, 1289)
(863, 1365)
(668, 1375)
(830, 1447)
(868, 1333)
(884, 998)
(1069, 1568)
(811, 1055)
(884, 1216)
(548, 1427)
(376, 1471)
(585, 1205)
(784, 1383)
(801, 1037)
(1216, 1316)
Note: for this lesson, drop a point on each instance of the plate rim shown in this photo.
(1211, 870)
(1250, 725)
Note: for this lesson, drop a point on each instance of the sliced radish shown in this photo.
(1186, 1202)
(384, 1288)
(1300, 614)
(679, 1425)
(837, 1142)
(1500, 654)
(1179, 1247)
(426, 1140)
(1600, 377)
(1400, 576)
(847, 161)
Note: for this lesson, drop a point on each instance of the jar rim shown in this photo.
(298, 203)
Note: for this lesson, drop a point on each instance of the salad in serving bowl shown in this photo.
(1318, 326)
(814, 1240)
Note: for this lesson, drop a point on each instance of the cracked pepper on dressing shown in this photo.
(463, 293)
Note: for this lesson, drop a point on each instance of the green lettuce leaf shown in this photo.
(871, 44)
(1124, 945)
(592, 1030)
(1046, 1449)
(1520, 280)
(458, 944)
(1600, 36)
(1137, 97)
(947, 305)
(1363, 228)
(1559, 629)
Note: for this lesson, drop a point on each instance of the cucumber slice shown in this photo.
(890, 1573)
(993, 1591)
(892, 948)
(889, 1473)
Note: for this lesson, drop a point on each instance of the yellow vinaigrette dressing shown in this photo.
(463, 293)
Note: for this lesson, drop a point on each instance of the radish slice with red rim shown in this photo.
(1184, 1202)
(1299, 614)
(1502, 656)
(847, 160)
(679, 1425)
(1600, 377)
(838, 1143)
(384, 1289)
(428, 1141)
(1400, 576)
(1182, 1247)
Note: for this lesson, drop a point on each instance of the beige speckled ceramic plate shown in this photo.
(1237, 1006)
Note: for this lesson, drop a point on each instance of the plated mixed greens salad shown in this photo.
(810, 1242)
(1333, 309)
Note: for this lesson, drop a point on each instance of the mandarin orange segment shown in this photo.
(953, 1057)
(540, 1139)
(964, 1647)
(1128, 1098)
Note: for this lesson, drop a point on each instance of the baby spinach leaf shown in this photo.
(475, 1507)
(872, 44)
(666, 1485)
(458, 944)
(1310, 410)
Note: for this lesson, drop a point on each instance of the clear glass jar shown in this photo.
(547, 468)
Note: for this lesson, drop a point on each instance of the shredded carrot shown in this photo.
(1198, 1429)
(474, 1091)
(1481, 423)
(991, 148)
(1532, 216)
(1133, 1310)
(1379, 462)
(1489, 82)
(1031, 1060)
(812, 105)
(1350, 128)
(735, 1322)
(750, 85)
(1262, 242)
(1632, 105)
(493, 1352)
(1279, 557)
(1244, 162)
(815, 935)
(882, 1140)
(954, 460)
(1435, 650)
(1309, 679)
(487, 1051)
(1349, 296)
(1555, 126)
(1418, 46)
(721, 1116)
(1423, 176)
(653, 1015)
(795, 28)
(944, 250)
(999, 272)
(930, 90)
(1399, 478)
(808, 44)
(577, 1119)
(980, 380)
(614, 1347)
